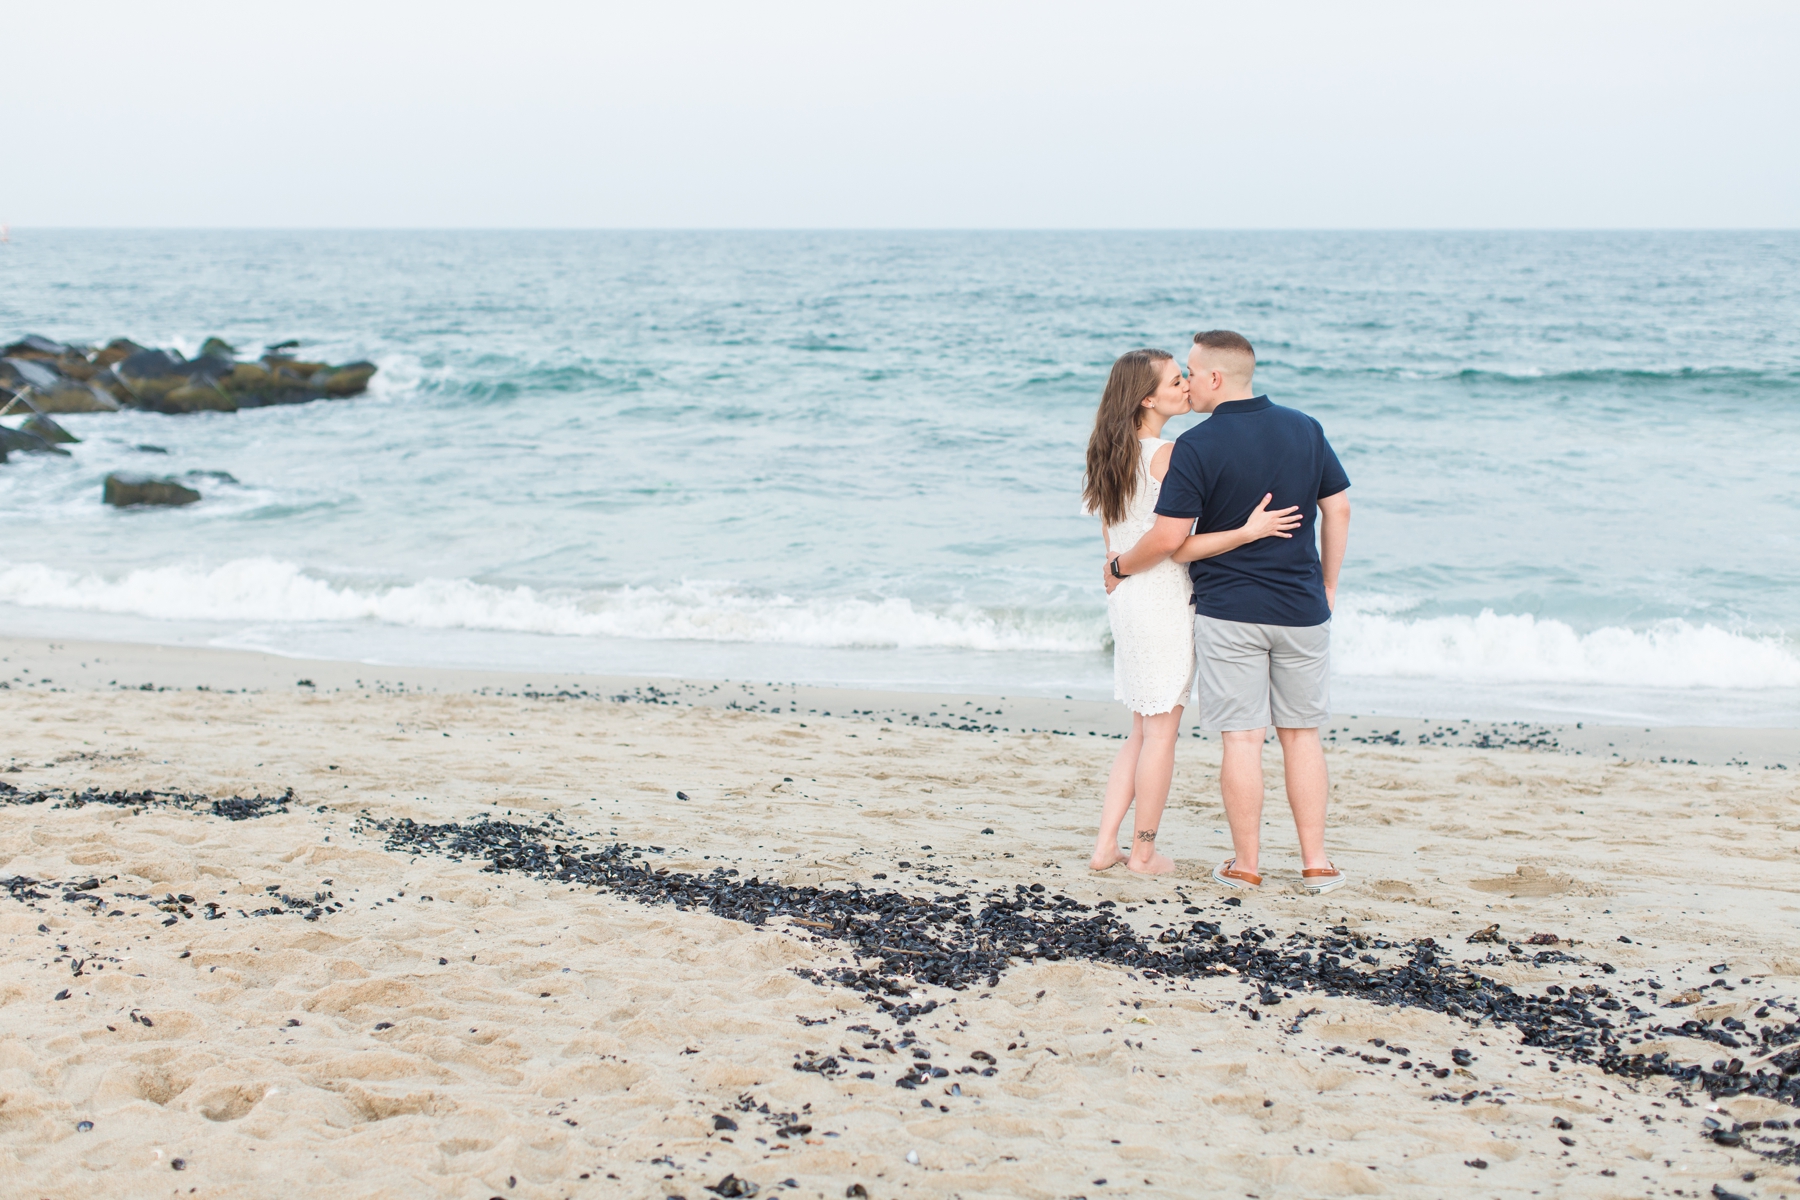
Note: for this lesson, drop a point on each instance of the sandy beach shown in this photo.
(293, 1004)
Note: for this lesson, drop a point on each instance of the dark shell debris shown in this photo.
(1519, 735)
(232, 808)
(957, 941)
(88, 893)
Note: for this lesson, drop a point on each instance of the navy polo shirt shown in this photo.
(1218, 473)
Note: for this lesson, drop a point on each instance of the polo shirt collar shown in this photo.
(1255, 404)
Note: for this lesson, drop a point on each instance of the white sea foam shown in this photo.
(1519, 648)
(1371, 636)
(261, 589)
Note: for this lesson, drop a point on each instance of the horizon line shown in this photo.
(1371, 229)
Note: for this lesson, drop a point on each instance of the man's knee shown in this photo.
(1243, 738)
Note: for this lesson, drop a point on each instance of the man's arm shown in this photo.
(1334, 536)
(1165, 538)
(1180, 491)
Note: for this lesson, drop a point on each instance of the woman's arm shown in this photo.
(1262, 524)
(1106, 575)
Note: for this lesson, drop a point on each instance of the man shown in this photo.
(1262, 612)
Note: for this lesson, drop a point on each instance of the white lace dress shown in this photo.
(1152, 620)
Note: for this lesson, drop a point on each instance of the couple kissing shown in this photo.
(1222, 557)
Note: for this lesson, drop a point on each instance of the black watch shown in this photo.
(1117, 574)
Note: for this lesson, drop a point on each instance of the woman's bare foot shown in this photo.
(1105, 857)
(1156, 864)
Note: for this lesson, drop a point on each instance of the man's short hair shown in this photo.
(1224, 339)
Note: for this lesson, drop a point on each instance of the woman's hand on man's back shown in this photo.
(1264, 523)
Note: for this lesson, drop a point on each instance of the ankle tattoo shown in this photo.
(1146, 835)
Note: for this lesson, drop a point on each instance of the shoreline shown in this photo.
(49, 663)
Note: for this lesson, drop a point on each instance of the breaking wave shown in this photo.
(262, 589)
(1519, 648)
(1369, 639)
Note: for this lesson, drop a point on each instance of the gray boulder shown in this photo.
(34, 345)
(49, 430)
(125, 489)
(47, 389)
(27, 442)
(21, 373)
(74, 396)
(351, 379)
(117, 350)
(67, 360)
(162, 381)
(254, 385)
(282, 379)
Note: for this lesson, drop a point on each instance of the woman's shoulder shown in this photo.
(1158, 452)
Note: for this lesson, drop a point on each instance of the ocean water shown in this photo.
(855, 457)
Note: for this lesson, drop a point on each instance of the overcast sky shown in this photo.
(907, 114)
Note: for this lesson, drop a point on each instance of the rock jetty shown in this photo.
(39, 376)
(44, 376)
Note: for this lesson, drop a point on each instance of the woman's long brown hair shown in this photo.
(1113, 455)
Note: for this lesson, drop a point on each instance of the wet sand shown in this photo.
(440, 1029)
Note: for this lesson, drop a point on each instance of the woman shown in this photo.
(1152, 620)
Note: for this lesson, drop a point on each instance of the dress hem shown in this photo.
(1171, 707)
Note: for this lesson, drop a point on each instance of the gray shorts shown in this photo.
(1252, 676)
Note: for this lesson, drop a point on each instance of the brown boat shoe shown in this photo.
(1227, 873)
(1319, 880)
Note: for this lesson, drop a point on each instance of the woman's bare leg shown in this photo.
(1156, 768)
(1121, 785)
